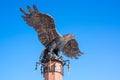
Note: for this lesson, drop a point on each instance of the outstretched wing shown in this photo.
(42, 23)
(71, 49)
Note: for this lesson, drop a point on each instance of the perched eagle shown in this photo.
(47, 34)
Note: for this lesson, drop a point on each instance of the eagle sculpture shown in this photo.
(47, 34)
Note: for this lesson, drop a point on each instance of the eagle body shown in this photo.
(59, 43)
(45, 27)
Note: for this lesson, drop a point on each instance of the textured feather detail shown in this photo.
(42, 23)
(71, 49)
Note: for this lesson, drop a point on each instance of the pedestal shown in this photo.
(53, 70)
(52, 66)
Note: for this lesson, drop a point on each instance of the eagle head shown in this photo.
(68, 37)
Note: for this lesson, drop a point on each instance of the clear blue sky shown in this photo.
(96, 24)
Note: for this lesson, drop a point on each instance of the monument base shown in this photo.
(53, 70)
(52, 66)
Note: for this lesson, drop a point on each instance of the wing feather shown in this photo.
(42, 23)
(71, 49)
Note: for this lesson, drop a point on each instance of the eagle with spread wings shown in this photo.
(47, 34)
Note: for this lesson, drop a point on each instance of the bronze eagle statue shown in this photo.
(47, 34)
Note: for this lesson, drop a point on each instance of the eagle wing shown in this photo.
(42, 23)
(71, 49)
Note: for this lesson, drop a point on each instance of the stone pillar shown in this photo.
(53, 70)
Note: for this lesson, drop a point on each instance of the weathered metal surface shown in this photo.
(45, 27)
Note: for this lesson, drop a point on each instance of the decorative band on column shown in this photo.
(53, 68)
